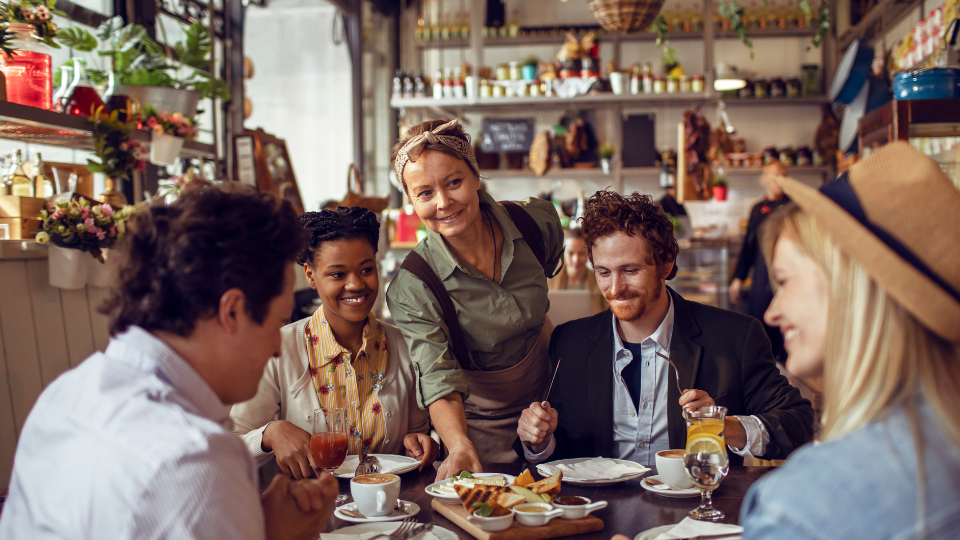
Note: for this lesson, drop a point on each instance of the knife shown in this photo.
(543, 404)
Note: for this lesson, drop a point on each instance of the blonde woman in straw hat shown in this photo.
(867, 272)
(471, 298)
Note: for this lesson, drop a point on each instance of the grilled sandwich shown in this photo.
(497, 497)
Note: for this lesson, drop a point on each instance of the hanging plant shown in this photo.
(733, 12)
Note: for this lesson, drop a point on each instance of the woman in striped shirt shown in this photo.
(340, 357)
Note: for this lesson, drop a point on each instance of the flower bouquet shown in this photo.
(37, 14)
(169, 133)
(119, 155)
(76, 226)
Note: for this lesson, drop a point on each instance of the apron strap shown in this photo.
(530, 231)
(416, 265)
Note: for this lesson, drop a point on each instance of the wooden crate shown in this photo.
(14, 206)
(19, 228)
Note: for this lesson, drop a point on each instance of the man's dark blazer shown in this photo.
(724, 353)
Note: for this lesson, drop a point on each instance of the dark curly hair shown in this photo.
(342, 223)
(178, 260)
(608, 212)
(423, 127)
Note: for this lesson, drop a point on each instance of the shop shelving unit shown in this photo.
(413, 51)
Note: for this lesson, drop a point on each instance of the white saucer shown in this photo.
(597, 482)
(454, 499)
(683, 493)
(387, 528)
(648, 534)
(350, 465)
(412, 509)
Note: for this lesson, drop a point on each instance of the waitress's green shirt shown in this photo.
(500, 323)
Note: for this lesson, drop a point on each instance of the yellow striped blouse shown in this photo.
(351, 382)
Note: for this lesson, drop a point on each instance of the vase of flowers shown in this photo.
(29, 33)
(75, 227)
(119, 155)
(170, 131)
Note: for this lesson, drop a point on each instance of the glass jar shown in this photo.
(761, 89)
(673, 85)
(503, 72)
(747, 91)
(659, 85)
(686, 84)
(484, 88)
(515, 73)
(82, 97)
(778, 88)
(29, 75)
(697, 84)
(793, 88)
(787, 156)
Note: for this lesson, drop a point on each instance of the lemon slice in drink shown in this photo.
(704, 442)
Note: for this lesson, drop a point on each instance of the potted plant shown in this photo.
(605, 153)
(143, 69)
(718, 184)
(118, 154)
(169, 132)
(76, 226)
(28, 32)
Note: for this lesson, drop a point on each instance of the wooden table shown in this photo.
(631, 511)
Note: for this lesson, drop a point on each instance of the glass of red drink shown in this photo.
(328, 442)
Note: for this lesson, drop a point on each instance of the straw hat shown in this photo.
(898, 215)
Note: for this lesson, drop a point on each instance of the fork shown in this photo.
(675, 370)
(402, 531)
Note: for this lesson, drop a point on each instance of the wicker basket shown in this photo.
(625, 16)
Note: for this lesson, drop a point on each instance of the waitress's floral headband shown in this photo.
(414, 147)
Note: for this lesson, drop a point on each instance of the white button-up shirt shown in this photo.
(639, 434)
(133, 443)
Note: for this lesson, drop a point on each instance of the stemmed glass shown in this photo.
(706, 456)
(328, 443)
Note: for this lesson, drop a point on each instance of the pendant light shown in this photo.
(727, 78)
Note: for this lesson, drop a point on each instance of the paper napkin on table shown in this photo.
(689, 528)
(387, 465)
(593, 469)
(345, 534)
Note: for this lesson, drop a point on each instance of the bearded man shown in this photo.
(616, 394)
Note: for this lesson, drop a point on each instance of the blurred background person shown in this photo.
(576, 273)
(751, 256)
(869, 304)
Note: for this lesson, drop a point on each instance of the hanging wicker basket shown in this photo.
(625, 16)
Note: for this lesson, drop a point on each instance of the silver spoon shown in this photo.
(675, 370)
(655, 482)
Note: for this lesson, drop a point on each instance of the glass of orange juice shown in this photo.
(705, 456)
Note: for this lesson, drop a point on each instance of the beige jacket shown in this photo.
(286, 393)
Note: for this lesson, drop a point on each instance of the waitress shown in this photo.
(482, 359)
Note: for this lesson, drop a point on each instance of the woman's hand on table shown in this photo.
(463, 457)
(537, 425)
(291, 446)
(298, 509)
(421, 446)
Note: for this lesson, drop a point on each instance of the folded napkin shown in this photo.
(387, 464)
(690, 528)
(593, 469)
(344, 534)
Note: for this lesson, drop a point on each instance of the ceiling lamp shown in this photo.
(727, 78)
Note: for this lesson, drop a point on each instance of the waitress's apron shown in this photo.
(497, 398)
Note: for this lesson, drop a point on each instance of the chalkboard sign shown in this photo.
(507, 135)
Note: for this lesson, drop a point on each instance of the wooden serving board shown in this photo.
(557, 526)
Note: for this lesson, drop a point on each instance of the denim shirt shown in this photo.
(863, 485)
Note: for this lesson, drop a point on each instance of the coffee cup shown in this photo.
(375, 494)
(671, 470)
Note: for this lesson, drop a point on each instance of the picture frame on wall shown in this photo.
(269, 162)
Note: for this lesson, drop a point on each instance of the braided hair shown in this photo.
(342, 223)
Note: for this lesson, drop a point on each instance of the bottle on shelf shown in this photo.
(455, 27)
(418, 34)
(447, 82)
(408, 85)
(6, 186)
(465, 26)
(420, 85)
(83, 98)
(397, 92)
(445, 28)
(40, 184)
(29, 76)
(513, 29)
(18, 180)
(66, 78)
(579, 211)
(435, 28)
(458, 88)
(438, 85)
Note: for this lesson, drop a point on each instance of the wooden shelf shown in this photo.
(557, 39)
(597, 173)
(37, 126)
(594, 101)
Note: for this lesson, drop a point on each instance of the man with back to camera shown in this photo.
(615, 396)
(136, 442)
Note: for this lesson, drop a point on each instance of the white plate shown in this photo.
(689, 492)
(387, 528)
(350, 465)
(598, 482)
(648, 534)
(412, 509)
(454, 499)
